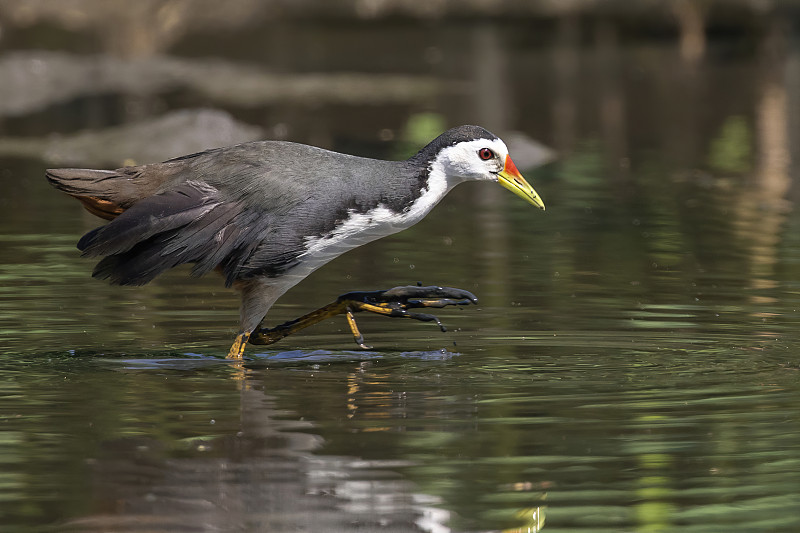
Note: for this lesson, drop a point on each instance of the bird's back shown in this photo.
(248, 208)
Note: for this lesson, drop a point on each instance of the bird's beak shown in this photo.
(511, 179)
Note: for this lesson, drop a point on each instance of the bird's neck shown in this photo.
(435, 184)
(438, 183)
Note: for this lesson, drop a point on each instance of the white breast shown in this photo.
(362, 228)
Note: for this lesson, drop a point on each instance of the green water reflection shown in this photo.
(603, 437)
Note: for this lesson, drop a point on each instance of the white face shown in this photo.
(480, 159)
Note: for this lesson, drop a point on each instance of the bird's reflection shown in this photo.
(264, 474)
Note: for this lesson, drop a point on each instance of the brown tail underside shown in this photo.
(104, 193)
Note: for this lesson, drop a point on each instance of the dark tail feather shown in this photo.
(137, 243)
(185, 225)
(139, 265)
(133, 227)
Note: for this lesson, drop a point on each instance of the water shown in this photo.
(632, 364)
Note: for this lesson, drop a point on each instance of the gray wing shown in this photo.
(188, 224)
(247, 209)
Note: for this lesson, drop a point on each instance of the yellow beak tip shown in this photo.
(515, 183)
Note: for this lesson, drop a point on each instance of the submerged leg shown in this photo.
(394, 302)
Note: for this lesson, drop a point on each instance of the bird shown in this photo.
(265, 214)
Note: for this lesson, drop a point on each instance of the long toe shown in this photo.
(435, 296)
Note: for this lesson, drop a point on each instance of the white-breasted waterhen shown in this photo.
(266, 214)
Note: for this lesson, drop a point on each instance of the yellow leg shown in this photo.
(271, 335)
(392, 303)
(237, 349)
(359, 338)
(379, 309)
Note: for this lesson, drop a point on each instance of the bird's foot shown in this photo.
(394, 302)
(237, 349)
(397, 301)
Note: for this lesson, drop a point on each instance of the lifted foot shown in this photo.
(394, 302)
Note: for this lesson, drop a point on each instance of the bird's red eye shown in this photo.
(485, 154)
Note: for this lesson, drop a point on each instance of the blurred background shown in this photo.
(707, 84)
(633, 363)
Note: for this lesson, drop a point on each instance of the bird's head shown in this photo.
(473, 153)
